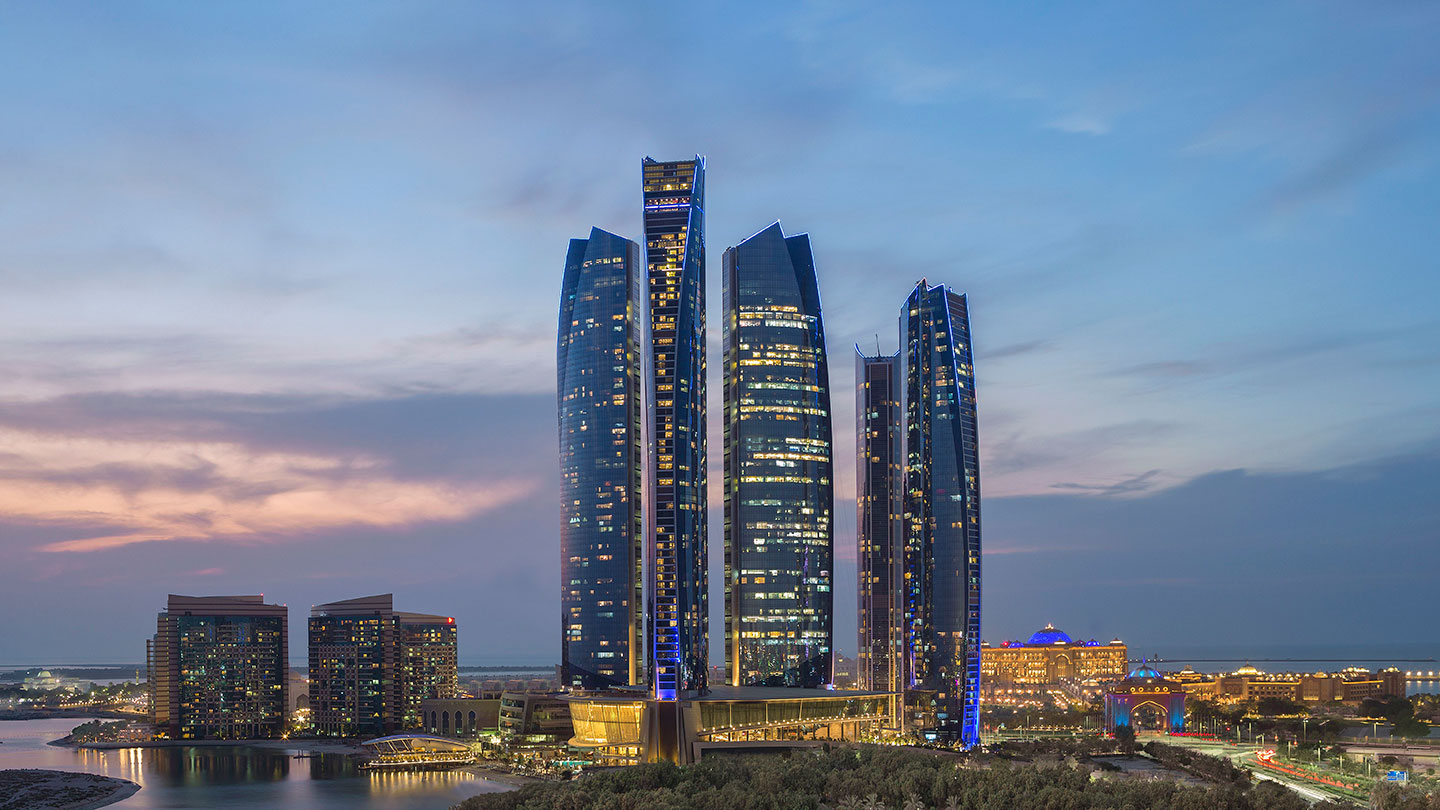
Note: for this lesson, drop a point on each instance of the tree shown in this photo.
(1125, 737)
(1272, 706)
(1410, 727)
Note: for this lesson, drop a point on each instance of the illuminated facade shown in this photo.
(942, 510)
(219, 668)
(601, 464)
(460, 716)
(778, 470)
(879, 509)
(1348, 686)
(427, 662)
(620, 730)
(674, 196)
(1145, 701)
(1050, 657)
(370, 667)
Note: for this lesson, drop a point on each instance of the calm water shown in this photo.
(206, 778)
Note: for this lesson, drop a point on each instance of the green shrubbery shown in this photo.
(98, 731)
(1205, 766)
(875, 778)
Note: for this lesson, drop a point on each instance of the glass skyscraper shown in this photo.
(942, 509)
(601, 464)
(674, 196)
(879, 528)
(219, 668)
(426, 662)
(779, 495)
(370, 666)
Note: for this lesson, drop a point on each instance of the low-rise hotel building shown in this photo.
(1348, 686)
(618, 729)
(459, 717)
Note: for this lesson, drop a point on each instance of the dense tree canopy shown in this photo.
(875, 778)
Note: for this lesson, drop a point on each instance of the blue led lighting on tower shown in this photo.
(674, 195)
(779, 496)
(942, 510)
(601, 462)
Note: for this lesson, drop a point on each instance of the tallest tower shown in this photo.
(675, 264)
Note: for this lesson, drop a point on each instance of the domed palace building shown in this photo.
(1049, 658)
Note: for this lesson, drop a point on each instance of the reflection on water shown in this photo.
(234, 777)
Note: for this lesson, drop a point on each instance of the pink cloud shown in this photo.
(244, 495)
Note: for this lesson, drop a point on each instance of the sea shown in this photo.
(231, 778)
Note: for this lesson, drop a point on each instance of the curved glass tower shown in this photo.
(674, 195)
(942, 509)
(601, 462)
(779, 496)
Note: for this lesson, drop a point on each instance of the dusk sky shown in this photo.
(278, 295)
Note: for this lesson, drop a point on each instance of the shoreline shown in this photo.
(504, 777)
(298, 746)
(40, 788)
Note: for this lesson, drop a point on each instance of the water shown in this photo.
(205, 778)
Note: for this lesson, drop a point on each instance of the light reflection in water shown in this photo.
(236, 778)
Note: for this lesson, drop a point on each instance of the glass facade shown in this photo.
(942, 509)
(370, 666)
(674, 197)
(350, 674)
(879, 507)
(219, 668)
(601, 464)
(779, 498)
(426, 663)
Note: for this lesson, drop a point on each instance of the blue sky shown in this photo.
(280, 288)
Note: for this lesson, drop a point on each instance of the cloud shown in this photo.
(1219, 558)
(1013, 350)
(1019, 452)
(255, 469)
(215, 491)
(1249, 355)
(1341, 170)
(1080, 124)
(1136, 483)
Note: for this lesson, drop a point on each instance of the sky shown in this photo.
(279, 284)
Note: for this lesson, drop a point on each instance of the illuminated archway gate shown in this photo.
(1145, 688)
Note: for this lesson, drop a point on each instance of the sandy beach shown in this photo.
(60, 790)
(503, 777)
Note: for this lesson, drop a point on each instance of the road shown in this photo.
(1244, 756)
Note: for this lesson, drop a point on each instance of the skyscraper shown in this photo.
(779, 496)
(879, 504)
(674, 196)
(352, 667)
(601, 464)
(942, 509)
(218, 668)
(370, 666)
(426, 663)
